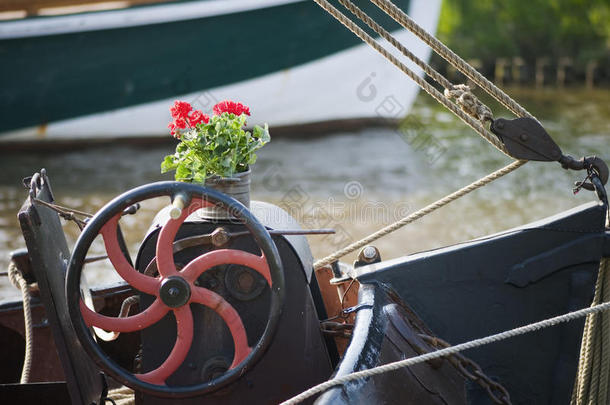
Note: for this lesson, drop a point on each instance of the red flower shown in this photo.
(231, 107)
(172, 130)
(180, 109)
(180, 123)
(197, 117)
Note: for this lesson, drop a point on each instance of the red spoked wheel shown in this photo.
(174, 290)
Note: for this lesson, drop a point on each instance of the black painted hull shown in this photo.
(477, 289)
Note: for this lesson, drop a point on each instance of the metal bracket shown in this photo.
(356, 308)
(594, 166)
(526, 139)
(340, 272)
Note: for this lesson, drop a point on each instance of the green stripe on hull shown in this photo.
(46, 79)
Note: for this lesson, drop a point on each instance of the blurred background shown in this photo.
(553, 56)
(538, 42)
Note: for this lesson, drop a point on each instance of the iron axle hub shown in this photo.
(175, 291)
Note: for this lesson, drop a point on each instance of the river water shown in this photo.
(354, 182)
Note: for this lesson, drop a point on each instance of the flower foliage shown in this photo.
(217, 145)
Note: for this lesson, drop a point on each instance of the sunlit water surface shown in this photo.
(354, 182)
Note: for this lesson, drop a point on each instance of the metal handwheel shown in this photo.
(174, 290)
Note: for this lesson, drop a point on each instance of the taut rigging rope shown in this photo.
(468, 108)
(590, 385)
(475, 124)
(429, 70)
(468, 102)
(460, 64)
(420, 213)
(570, 316)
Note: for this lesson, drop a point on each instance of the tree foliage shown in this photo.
(487, 29)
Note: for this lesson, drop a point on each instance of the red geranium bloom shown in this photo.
(172, 130)
(231, 107)
(197, 117)
(180, 123)
(180, 109)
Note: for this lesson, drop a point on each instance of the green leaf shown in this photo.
(183, 173)
(199, 177)
(221, 147)
(168, 164)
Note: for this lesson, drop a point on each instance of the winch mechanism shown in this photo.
(211, 295)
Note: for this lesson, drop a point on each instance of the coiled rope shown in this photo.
(17, 280)
(121, 396)
(448, 351)
(592, 378)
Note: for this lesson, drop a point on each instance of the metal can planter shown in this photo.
(237, 187)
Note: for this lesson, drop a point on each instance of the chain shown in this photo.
(339, 329)
(471, 370)
(465, 366)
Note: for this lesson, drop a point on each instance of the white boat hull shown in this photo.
(356, 83)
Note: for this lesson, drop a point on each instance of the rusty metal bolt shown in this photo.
(368, 254)
(220, 237)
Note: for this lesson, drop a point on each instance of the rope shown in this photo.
(418, 214)
(16, 279)
(66, 213)
(122, 396)
(592, 378)
(467, 107)
(441, 49)
(437, 95)
(464, 98)
(394, 42)
(469, 103)
(448, 351)
(62, 210)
